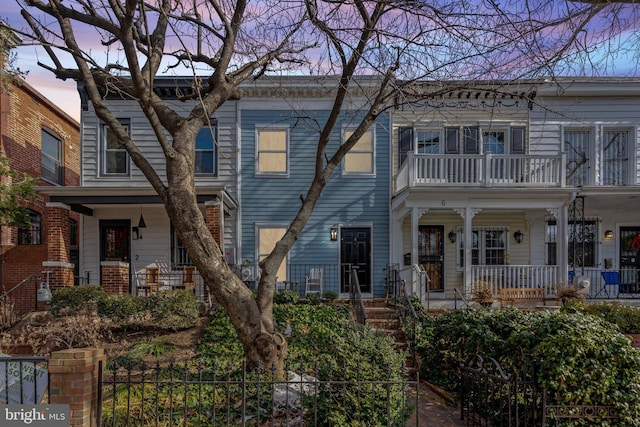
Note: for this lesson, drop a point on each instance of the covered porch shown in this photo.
(445, 241)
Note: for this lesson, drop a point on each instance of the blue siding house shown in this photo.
(349, 227)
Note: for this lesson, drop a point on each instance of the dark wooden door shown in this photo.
(431, 254)
(355, 252)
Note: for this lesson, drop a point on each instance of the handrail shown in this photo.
(415, 321)
(355, 297)
(9, 315)
(457, 292)
(419, 269)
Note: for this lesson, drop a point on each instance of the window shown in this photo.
(493, 142)
(576, 146)
(51, 159)
(73, 232)
(582, 243)
(31, 235)
(615, 157)
(115, 160)
(551, 242)
(267, 239)
(272, 151)
(359, 160)
(179, 257)
(206, 151)
(428, 142)
(489, 246)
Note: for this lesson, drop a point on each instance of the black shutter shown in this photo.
(518, 141)
(472, 140)
(405, 135)
(451, 145)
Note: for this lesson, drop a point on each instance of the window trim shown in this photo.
(214, 150)
(482, 248)
(287, 131)
(59, 162)
(372, 173)
(104, 130)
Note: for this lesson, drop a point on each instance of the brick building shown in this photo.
(43, 142)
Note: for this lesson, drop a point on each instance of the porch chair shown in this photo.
(610, 278)
(188, 279)
(314, 281)
(151, 281)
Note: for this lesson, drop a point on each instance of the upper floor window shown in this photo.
(115, 160)
(268, 236)
(576, 147)
(206, 151)
(360, 159)
(272, 151)
(488, 246)
(615, 149)
(51, 160)
(31, 235)
(462, 140)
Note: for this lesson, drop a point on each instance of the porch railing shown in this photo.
(482, 170)
(620, 284)
(517, 276)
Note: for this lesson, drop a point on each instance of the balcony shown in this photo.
(481, 170)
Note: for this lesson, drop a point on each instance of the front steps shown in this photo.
(381, 317)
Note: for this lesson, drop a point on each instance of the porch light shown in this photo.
(452, 236)
(518, 236)
(141, 223)
(608, 234)
(334, 233)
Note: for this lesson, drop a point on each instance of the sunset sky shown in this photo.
(64, 93)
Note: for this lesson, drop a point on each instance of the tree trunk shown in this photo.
(263, 346)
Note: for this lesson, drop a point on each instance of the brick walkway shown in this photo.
(434, 411)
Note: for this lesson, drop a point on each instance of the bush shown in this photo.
(175, 309)
(120, 308)
(627, 319)
(578, 357)
(71, 300)
(330, 295)
(286, 297)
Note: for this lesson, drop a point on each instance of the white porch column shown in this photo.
(467, 214)
(396, 240)
(563, 243)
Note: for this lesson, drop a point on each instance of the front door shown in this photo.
(630, 259)
(431, 254)
(114, 242)
(355, 252)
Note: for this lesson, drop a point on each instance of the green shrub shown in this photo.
(154, 347)
(330, 295)
(175, 309)
(286, 297)
(71, 300)
(120, 308)
(627, 319)
(580, 358)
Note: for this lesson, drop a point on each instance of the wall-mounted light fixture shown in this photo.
(452, 236)
(334, 233)
(518, 236)
(608, 234)
(136, 232)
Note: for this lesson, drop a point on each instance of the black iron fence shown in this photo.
(197, 395)
(491, 397)
(24, 379)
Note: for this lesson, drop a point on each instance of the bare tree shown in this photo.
(410, 46)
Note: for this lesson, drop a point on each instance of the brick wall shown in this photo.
(115, 277)
(213, 218)
(23, 115)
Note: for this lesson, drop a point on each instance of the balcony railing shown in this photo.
(488, 170)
